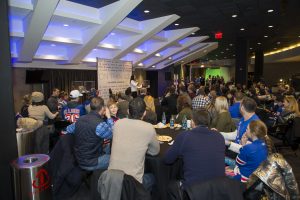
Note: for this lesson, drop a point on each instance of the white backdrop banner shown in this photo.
(114, 74)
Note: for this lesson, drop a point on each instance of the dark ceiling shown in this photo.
(216, 15)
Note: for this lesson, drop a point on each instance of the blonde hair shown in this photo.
(221, 104)
(110, 103)
(149, 101)
(293, 104)
(260, 130)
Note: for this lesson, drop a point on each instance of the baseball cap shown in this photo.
(75, 94)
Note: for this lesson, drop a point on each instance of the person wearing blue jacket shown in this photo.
(252, 154)
(73, 110)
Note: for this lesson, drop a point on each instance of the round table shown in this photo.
(163, 173)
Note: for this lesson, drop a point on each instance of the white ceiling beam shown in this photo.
(35, 26)
(149, 29)
(111, 15)
(189, 56)
(173, 36)
(190, 41)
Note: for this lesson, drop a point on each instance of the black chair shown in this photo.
(288, 134)
(222, 188)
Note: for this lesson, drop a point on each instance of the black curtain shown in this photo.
(62, 79)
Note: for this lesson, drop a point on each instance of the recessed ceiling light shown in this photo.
(146, 11)
(227, 49)
(242, 29)
(141, 64)
(170, 58)
(265, 36)
(66, 25)
(202, 66)
(233, 55)
(270, 10)
(225, 57)
(299, 36)
(275, 48)
(222, 52)
(53, 45)
(251, 48)
(112, 33)
(234, 16)
(94, 49)
(231, 45)
(176, 24)
(153, 66)
(270, 26)
(216, 55)
(205, 51)
(193, 33)
(278, 43)
(259, 43)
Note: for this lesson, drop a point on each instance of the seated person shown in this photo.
(133, 138)
(150, 116)
(90, 131)
(223, 121)
(122, 106)
(290, 109)
(184, 107)
(201, 149)
(247, 109)
(252, 154)
(113, 110)
(235, 108)
(73, 110)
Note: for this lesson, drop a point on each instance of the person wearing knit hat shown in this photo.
(73, 110)
(38, 110)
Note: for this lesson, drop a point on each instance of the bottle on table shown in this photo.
(184, 122)
(172, 122)
(163, 119)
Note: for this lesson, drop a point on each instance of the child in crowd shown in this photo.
(251, 154)
(113, 109)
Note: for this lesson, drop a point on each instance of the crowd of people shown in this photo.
(225, 129)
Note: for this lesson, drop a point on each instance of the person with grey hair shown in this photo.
(90, 131)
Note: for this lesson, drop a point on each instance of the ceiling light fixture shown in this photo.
(52, 45)
(234, 16)
(242, 29)
(176, 24)
(222, 52)
(94, 49)
(283, 49)
(231, 45)
(112, 33)
(146, 11)
(66, 25)
(265, 36)
(270, 10)
(251, 48)
(259, 43)
(193, 33)
(271, 26)
(227, 49)
(275, 48)
(278, 43)
(182, 61)
(170, 58)
(153, 66)
(140, 64)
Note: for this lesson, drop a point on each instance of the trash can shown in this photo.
(31, 179)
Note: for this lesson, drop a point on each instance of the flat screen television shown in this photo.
(36, 76)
